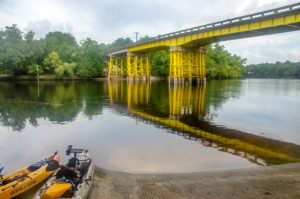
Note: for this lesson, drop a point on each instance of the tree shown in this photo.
(160, 63)
(29, 36)
(52, 62)
(145, 38)
(279, 69)
(221, 64)
(120, 42)
(64, 44)
(13, 33)
(12, 50)
(92, 59)
(34, 69)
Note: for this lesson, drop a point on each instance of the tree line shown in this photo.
(61, 55)
(278, 69)
(57, 54)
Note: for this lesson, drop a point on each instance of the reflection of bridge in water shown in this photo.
(186, 106)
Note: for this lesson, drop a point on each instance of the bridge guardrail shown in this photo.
(220, 24)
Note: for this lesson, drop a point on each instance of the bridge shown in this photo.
(188, 47)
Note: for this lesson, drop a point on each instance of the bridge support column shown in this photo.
(116, 67)
(138, 67)
(187, 63)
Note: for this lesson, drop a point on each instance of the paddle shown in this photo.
(1, 168)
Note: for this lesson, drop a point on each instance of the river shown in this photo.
(153, 127)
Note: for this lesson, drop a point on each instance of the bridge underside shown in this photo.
(246, 34)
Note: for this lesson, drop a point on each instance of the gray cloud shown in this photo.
(41, 28)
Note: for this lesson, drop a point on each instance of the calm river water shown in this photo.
(143, 127)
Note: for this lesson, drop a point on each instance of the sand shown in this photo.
(281, 181)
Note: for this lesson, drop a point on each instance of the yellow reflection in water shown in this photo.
(187, 100)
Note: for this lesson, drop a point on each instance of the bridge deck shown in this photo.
(283, 19)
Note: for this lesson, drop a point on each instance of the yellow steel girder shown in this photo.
(245, 27)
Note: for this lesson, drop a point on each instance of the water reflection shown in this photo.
(186, 118)
(24, 102)
(138, 126)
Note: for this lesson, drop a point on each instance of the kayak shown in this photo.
(61, 185)
(18, 182)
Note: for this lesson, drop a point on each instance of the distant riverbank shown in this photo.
(4, 77)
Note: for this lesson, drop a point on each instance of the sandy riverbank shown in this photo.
(281, 181)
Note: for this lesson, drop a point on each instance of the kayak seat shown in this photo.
(83, 169)
(37, 165)
(52, 165)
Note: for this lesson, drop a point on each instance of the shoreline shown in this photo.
(5, 77)
(54, 78)
(46, 78)
(280, 181)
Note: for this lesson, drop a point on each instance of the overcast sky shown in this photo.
(107, 20)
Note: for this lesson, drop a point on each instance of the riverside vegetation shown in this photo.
(60, 55)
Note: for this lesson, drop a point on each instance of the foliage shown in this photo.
(145, 38)
(12, 50)
(280, 69)
(52, 62)
(160, 63)
(120, 42)
(58, 53)
(33, 69)
(92, 59)
(65, 69)
(221, 64)
(63, 43)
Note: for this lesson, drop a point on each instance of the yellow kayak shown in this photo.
(20, 181)
(64, 184)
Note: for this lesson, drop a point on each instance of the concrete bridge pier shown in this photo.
(138, 66)
(176, 81)
(135, 66)
(201, 81)
(116, 67)
(187, 63)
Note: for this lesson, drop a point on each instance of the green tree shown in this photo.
(33, 69)
(221, 64)
(29, 36)
(52, 62)
(64, 44)
(279, 69)
(12, 50)
(120, 42)
(91, 60)
(160, 63)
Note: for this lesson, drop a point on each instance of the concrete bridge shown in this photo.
(187, 47)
